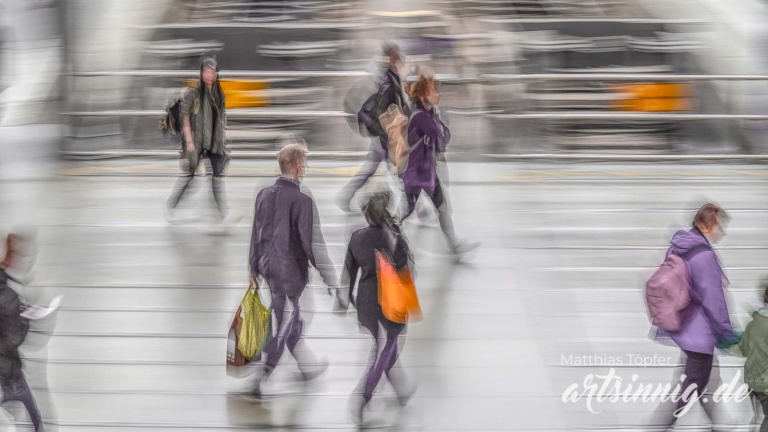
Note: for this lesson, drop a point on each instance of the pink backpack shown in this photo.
(667, 293)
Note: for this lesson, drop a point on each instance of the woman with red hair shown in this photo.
(428, 136)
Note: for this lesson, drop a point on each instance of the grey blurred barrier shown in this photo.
(269, 113)
(174, 154)
(629, 157)
(229, 74)
(222, 74)
(265, 113)
(617, 77)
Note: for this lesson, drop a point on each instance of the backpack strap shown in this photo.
(410, 118)
(689, 256)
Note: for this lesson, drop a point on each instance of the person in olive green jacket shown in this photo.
(204, 117)
(754, 346)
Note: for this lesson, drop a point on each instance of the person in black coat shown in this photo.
(13, 331)
(390, 92)
(382, 235)
(286, 239)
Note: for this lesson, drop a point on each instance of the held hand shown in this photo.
(724, 342)
(190, 147)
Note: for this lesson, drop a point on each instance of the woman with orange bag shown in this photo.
(384, 237)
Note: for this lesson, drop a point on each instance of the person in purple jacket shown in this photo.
(286, 239)
(707, 324)
(428, 136)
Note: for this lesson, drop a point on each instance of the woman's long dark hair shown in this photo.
(217, 91)
(376, 210)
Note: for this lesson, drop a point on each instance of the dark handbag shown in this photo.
(368, 115)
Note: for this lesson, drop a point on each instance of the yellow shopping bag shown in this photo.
(256, 329)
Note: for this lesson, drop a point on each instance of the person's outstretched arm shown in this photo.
(348, 278)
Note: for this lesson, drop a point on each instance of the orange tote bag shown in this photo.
(397, 293)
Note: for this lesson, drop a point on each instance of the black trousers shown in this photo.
(215, 163)
(441, 205)
(698, 371)
(15, 388)
(698, 366)
(763, 399)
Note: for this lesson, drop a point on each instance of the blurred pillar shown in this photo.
(31, 60)
(106, 35)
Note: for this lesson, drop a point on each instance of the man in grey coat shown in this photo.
(287, 239)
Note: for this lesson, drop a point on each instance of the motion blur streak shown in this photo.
(537, 158)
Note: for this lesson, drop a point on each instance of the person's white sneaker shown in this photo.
(170, 215)
(233, 219)
(462, 248)
(223, 225)
(343, 203)
(315, 371)
(35, 312)
(357, 409)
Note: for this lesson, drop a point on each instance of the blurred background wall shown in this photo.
(48, 45)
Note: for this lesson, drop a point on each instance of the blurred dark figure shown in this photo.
(285, 241)
(428, 137)
(382, 234)
(13, 331)
(390, 92)
(204, 118)
(707, 324)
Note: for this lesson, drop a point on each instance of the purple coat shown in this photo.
(286, 239)
(707, 317)
(427, 136)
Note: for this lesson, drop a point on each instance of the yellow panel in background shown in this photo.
(242, 93)
(654, 97)
(245, 94)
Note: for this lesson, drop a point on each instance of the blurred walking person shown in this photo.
(204, 124)
(428, 137)
(13, 331)
(381, 235)
(287, 239)
(390, 92)
(706, 323)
